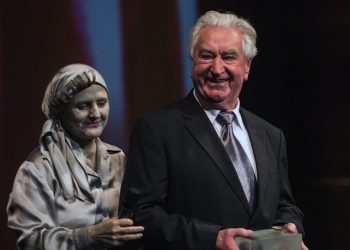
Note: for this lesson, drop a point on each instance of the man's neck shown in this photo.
(214, 106)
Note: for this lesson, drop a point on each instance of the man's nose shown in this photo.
(218, 66)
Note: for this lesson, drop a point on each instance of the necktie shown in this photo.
(237, 155)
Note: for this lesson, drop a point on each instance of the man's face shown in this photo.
(219, 67)
(86, 115)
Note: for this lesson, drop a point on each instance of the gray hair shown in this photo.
(226, 20)
(67, 82)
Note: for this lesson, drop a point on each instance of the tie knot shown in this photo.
(225, 118)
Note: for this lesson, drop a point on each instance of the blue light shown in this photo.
(188, 16)
(103, 31)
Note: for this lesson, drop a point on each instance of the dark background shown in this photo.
(299, 82)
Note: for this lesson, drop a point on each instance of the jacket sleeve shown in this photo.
(32, 214)
(147, 171)
(287, 211)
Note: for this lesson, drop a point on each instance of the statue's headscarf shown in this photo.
(66, 82)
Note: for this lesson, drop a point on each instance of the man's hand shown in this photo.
(226, 238)
(290, 227)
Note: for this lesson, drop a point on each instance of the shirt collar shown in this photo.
(212, 113)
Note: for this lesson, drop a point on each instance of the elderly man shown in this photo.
(207, 169)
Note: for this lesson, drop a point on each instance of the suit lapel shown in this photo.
(202, 130)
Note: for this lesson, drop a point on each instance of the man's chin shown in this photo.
(213, 102)
(216, 98)
(219, 102)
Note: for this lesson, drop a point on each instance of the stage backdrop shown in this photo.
(299, 81)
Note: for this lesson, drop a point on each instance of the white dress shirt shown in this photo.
(239, 131)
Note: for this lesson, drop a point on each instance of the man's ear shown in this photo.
(247, 69)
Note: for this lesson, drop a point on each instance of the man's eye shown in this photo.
(229, 58)
(206, 56)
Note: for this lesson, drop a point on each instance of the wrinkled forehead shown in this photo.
(212, 38)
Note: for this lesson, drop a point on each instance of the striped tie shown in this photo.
(237, 155)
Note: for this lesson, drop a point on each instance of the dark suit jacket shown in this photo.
(189, 188)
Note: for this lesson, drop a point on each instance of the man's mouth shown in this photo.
(217, 80)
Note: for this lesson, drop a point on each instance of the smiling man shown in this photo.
(219, 67)
(207, 169)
